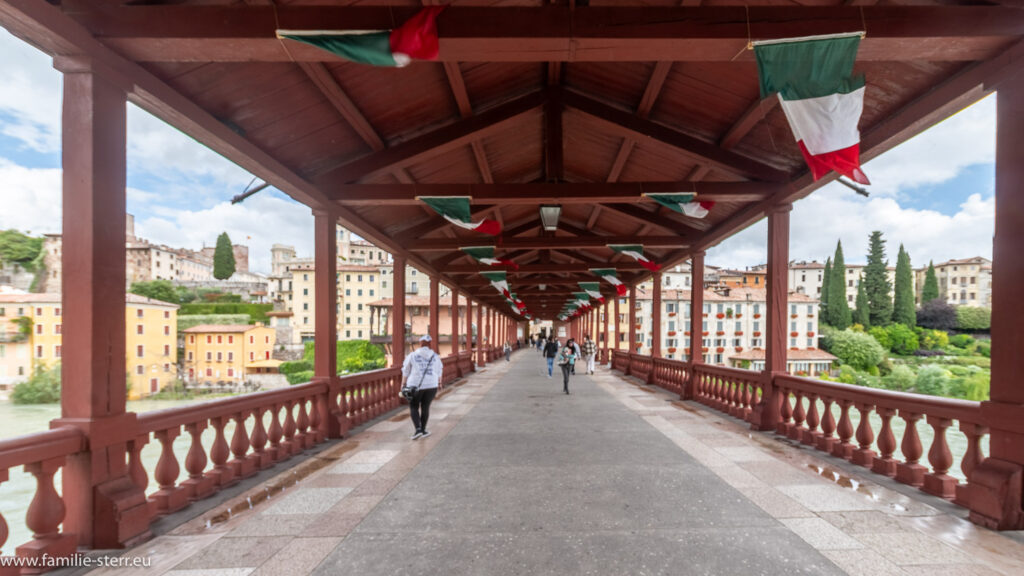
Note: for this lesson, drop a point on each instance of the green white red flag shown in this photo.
(820, 96)
(455, 209)
(612, 277)
(593, 289)
(485, 255)
(684, 203)
(636, 252)
(499, 281)
(416, 39)
(582, 299)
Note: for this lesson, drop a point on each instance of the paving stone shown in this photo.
(820, 534)
(913, 548)
(234, 553)
(820, 498)
(299, 557)
(307, 500)
(372, 457)
(775, 503)
(863, 563)
(216, 572)
(272, 525)
(867, 521)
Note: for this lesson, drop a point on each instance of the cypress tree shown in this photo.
(903, 310)
(860, 313)
(223, 258)
(876, 282)
(930, 291)
(825, 279)
(838, 307)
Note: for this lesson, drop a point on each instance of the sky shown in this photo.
(934, 193)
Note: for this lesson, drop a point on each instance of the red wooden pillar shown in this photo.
(469, 325)
(618, 326)
(325, 294)
(103, 506)
(480, 360)
(631, 303)
(398, 312)
(765, 415)
(656, 317)
(435, 314)
(994, 494)
(695, 355)
(454, 312)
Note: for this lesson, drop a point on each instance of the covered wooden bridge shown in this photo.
(555, 119)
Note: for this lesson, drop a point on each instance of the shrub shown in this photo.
(885, 367)
(857, 349)
(882, 336)
(825, 333)
(973, 386)
(42, 387)
(299, 377)
(297, 366)
(932, 379)
(256, 312)
(936, 314)
(934, 339)
(902, 339)
(186, 322)
(985, 349)
(847, 375)
(961, 341)
(929, 353)
(901, 379)
(973, 318)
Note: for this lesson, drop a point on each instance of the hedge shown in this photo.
(186, 322)
(256, 312)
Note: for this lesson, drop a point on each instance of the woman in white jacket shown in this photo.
(422, 371)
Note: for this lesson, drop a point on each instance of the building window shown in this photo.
(58, 327)
(305, 319)
(359, 292)
(56, 351)
(39, 351)
(252, 356)
(792, 308)
(138, 313)
(792, 342)
(190, 356)
(810, 342)
(305, 291)
(371, 277)
(138, 329)
(792, 326)
(348, 333)
(209, 339)
(231, 373)
(167, 330)
(56, 311)
(348, 292)
(231, 356)
(139, 351)
(267, 355)
(305, 277)
(360, 333)
(167, 314)
(220, 356)
(140, 370)
(209, 356)
(231, 339)
(209, 372)
(220, 339)
(810, 309)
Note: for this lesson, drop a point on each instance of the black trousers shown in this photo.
(565, 376)
(419, 407)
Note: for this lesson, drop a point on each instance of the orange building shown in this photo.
(217, 354)
(417, 321)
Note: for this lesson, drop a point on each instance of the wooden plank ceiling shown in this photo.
(586, 105)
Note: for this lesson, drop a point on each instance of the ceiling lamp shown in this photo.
(549, 216)
(542, 286)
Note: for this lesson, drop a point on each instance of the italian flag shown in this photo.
(593, 289)
(455, 209)
(416, 39)
(499, 281)
(636, 252)
(684, 203)
(612, 278)
(582, 299)
(820, 96)
(485, 255)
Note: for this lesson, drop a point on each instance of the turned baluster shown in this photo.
(315, 405)
(825, 442)
(46, 511)
(735, 408)
(749, 391)
(196, 486)
(4, 532)
(864, 455)
(136, 471)
(886, 444)
(785, 413)
(275, 432)
(240, 446)
(167, 470)
(258, 439)
(219, 453)
(289, 428)
(799, 416)
(844, 449)
(939, 482)
(910, 472)
(302, 425)
(807, 436)
(973, 456)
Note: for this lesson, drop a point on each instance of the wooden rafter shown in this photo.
(551, 242)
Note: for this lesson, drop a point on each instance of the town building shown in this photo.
(964, 282)
(151, 340)
(417, 321)
(223, 354)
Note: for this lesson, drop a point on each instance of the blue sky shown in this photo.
(933, 193)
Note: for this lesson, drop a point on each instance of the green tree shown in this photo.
(973, 318)
(43, 387)
(932, 380)
(930, 290)
(223, 258)
(161, 290)
(936, 314)
(861, 313)
(17, 247)
(876, 282)
(902, 340)
(857, 349)
(825, 280)
(838, 308)
(903, 309)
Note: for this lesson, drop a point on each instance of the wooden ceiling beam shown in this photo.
(554, 33)
(534, 268)
(458, 86)
(547, 193)
(643, 110)
(625, 124)
(434, 143)
(648, 218)
(553, 242)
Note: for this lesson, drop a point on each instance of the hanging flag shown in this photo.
(820, 96)
(485, 255)
(499, 281)
(455, 209)
(684, 203)
(583, 299)
(636, 252)
(612, 277)
(416, 39)
(593, 289)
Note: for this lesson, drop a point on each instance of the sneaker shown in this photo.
(417, 435)
(424, 434)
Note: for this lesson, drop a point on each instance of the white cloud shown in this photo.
(31, 198)
(30, 97)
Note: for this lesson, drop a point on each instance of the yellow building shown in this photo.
(151, 332)
(220, 354)
(358, 286)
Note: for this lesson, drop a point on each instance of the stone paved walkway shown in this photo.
(615, 478)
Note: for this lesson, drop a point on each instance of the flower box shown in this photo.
(705, 334)
(687, 350)
(672, 333)
(720, 333)
(810, 315)
(671, 314)
(793, 315)
(687, 333)
(794, 334)
(739, 315)
(740, 333)
(810, 334)
(757, 316)
(671, 350)
(794, 348)
(739, 348)
(704, 349)
(719, 350)
(719, 316)
(757, 334)
(705, 315)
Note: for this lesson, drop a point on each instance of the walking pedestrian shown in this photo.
(550, 351)
(421, 370)
(589, 352)
(576, 350)
(508, 351)
(566, 360)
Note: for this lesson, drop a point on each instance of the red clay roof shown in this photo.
(814, 355)
(220, 328)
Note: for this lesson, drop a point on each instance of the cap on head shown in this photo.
(425, 338)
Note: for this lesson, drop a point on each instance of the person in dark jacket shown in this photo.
(550, 351)
(566, 360)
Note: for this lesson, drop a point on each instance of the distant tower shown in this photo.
(344, 243)
(280, 256)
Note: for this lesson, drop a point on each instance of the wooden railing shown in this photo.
(465, 362)
(641, 366)
(671, 375)
(451, 369)
(620, 361)
(728, 390)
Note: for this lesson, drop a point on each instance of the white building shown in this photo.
(964, 282)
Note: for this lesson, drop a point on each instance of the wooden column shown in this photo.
(618, 326)
(102, 504)
(656, 317)
(490, 332)
(480, 360)
(695, 356)
(398, 311)
(435, 314)
(454, 312)
(631, 304)
(995, 491)
(469, 324)
(325, 295)
(765, 415)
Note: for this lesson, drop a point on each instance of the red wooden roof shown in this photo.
(585, 105)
